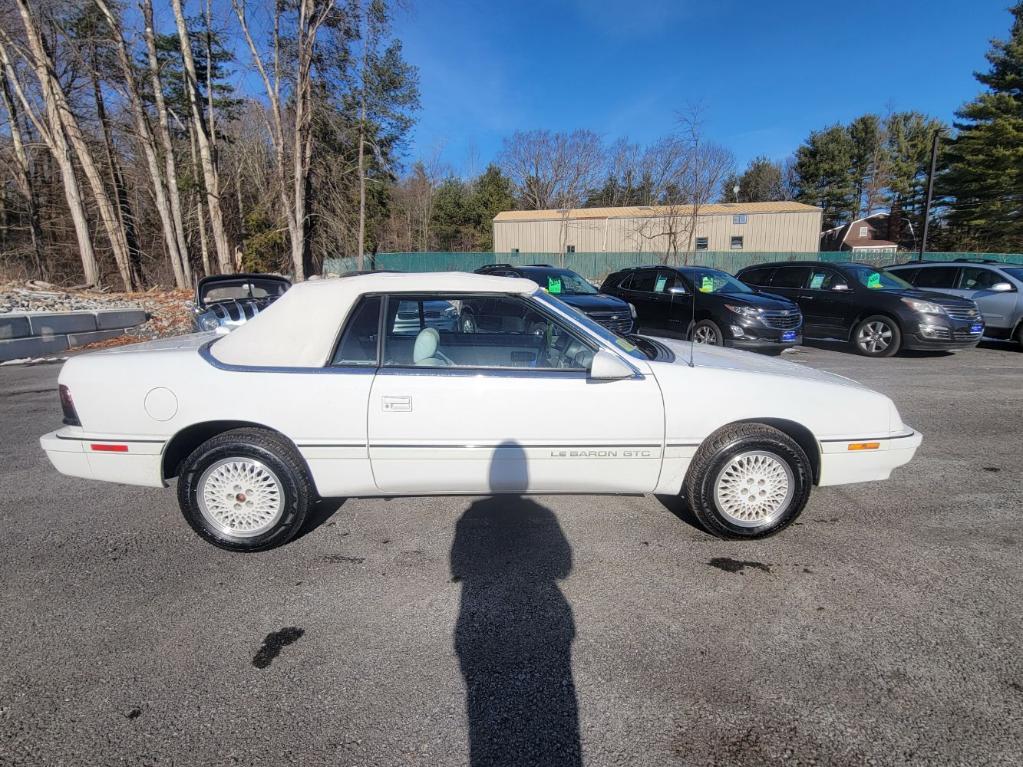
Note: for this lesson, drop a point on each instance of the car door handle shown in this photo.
(392, 404)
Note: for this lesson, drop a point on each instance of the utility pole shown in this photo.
(930, 194)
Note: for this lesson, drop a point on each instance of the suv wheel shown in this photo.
(245, 490)
(877, 336)
(707, 332)
(748, 480)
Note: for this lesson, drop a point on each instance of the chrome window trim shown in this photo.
(467, 372)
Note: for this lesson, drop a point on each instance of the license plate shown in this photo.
(976, 327)
(788, 335)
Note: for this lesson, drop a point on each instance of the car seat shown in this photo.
(426, 352)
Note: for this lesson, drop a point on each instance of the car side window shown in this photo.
(909, 275)
(790, 276)
(825, 279)
(937, 277)
(485, 332)
(358, 345)
(974, 278)
(644, 281)
(626, 284)
(760, 275)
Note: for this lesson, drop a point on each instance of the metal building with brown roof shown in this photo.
(755, 226)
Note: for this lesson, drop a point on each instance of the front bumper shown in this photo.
(842, 463)
(758, 338)
(941, 334)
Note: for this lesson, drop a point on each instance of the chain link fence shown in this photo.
(596, 266)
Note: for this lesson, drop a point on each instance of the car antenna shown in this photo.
(692, 325)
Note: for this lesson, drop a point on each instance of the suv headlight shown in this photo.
(743, 311)
(924, 307)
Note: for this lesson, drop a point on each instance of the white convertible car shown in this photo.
(369, 386)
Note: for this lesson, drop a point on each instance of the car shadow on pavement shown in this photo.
(319, 513)
(515, 627)
(679, 506)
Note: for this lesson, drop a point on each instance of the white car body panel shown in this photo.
(368, 431)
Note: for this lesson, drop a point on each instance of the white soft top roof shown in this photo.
(299, 328)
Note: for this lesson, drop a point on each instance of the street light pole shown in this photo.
(930, 194)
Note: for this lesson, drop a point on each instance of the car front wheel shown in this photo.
(245, 490)
(748, 480)
(707, 332)
(877, 336)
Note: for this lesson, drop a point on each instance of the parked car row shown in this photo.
(766, 307)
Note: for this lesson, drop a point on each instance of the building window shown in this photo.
(701, 243)
(739, 218)
(736, 243)
(864, 231)
(570, 248)
(514, 250)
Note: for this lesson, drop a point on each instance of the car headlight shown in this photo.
(924, 307)
(632, 311)
(743, 311)
(208, 322)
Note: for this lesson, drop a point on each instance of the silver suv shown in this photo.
(996, 287)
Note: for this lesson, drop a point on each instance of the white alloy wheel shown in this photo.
(754, 488)
(875, 337)
(240, 497)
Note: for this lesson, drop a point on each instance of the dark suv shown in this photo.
(574, 290)
(877, 312)
(727, 312)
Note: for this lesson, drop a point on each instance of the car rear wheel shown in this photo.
(245, 490)
(748, 480)
(877, 336)
(707, 332)
(467, 323)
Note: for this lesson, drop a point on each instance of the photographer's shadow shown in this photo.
(515, 628)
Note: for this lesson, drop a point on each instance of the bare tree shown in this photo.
(51, 130)
(291, 139)
(211, 176)
(553, 170)
(23, 174)
(146, 139)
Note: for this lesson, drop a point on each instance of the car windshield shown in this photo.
(876, 279)
(235, 290)
(715, 281)
(560, 282)
(597, 329)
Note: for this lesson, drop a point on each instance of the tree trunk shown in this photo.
(204, 247)
(209, 168)
(163, 124)
(136, 107)
(23, 176)
(53, 94)
(56, 141)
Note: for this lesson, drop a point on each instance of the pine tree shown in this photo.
(824, 171)
(985, 161)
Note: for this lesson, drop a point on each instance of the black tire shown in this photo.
(718, 451)
(710, 330)
(1018, 336)
(273, 452)
(467, 323)
(889, 333)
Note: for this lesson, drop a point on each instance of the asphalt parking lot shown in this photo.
(883, 628)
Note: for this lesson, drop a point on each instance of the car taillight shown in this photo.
(68, 406)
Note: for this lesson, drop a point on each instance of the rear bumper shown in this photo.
(841, 465)
(127, 461)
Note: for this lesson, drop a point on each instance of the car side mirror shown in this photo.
(676, 290)
(609, 367)
(840, 286)
(1002, 287)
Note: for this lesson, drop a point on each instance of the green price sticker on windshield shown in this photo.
(707, 285)
(874, 280)
(553, 285)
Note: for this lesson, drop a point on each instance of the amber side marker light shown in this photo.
(864, 445)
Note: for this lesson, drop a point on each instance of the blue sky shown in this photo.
(766, 73)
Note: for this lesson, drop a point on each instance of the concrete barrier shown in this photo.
(37, 334)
